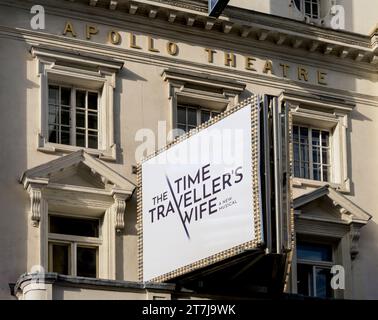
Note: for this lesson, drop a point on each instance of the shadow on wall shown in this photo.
(14, 200)
(120, 106)
(365, 264)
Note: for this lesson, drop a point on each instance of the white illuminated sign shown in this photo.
(198, 198)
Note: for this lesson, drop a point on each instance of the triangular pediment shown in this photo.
(78, 169)
(80, 175)
(327, 204)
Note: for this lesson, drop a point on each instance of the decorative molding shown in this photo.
(354, 240)
(263, 24)
(38, 177)
(119, 211)
(181, 78)
(34, 188)
(39, 173)
(53, 55)
(35, 193)
(98, 71)
(344, 205)
(349, 222)
(319, 101)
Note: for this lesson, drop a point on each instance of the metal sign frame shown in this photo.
(258, 242)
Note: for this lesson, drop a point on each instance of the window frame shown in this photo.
(302, 8)
(325, 113)
(310, 155)
(316, 264)
(73, 108)
(81, 70)
(189, 87)
(199, 110)
(74, 241)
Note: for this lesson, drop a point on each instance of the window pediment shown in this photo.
(333, 206)
(92, 173)
(326, 212)
(71, 59)
(220, 92)
(77, 179)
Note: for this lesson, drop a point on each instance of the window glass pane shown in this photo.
(316, 155)
(80, 119)
(308, 8)
(86, 262)
(53, 134)
(304, 135)
(325, 138)
(305, 170)
(92, 100)
(192, 117)
(297, 172)
(92, 120)
(73, 226)
(304, 279)
(181, 115)
(296, 151)
(325, 173)
(53, 95)
(295, 133)
(53, 114)
(65, 135)
(182, 127)
(315, 137)
(80, 99)
(316, 172)
(205, 116)
(65, 116)
(80, 138)
(314, 252)
(304, 152)
(65, 96)
(325, 156)
(298, 4)
(315, 13)
(60, 258)
(323, 282)
(92, 141)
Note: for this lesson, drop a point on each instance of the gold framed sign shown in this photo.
(199, 197)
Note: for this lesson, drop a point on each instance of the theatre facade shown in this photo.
(82, 92)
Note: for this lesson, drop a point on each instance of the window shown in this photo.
(310, 8)
(73, 116)
(314, 263)
(189, 117)
(311, 153)
(196, 97)
(74, 246)
(77, 94)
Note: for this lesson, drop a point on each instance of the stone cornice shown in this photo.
(51, 278)
(75, 57)
(245, 24)
(236, 26)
